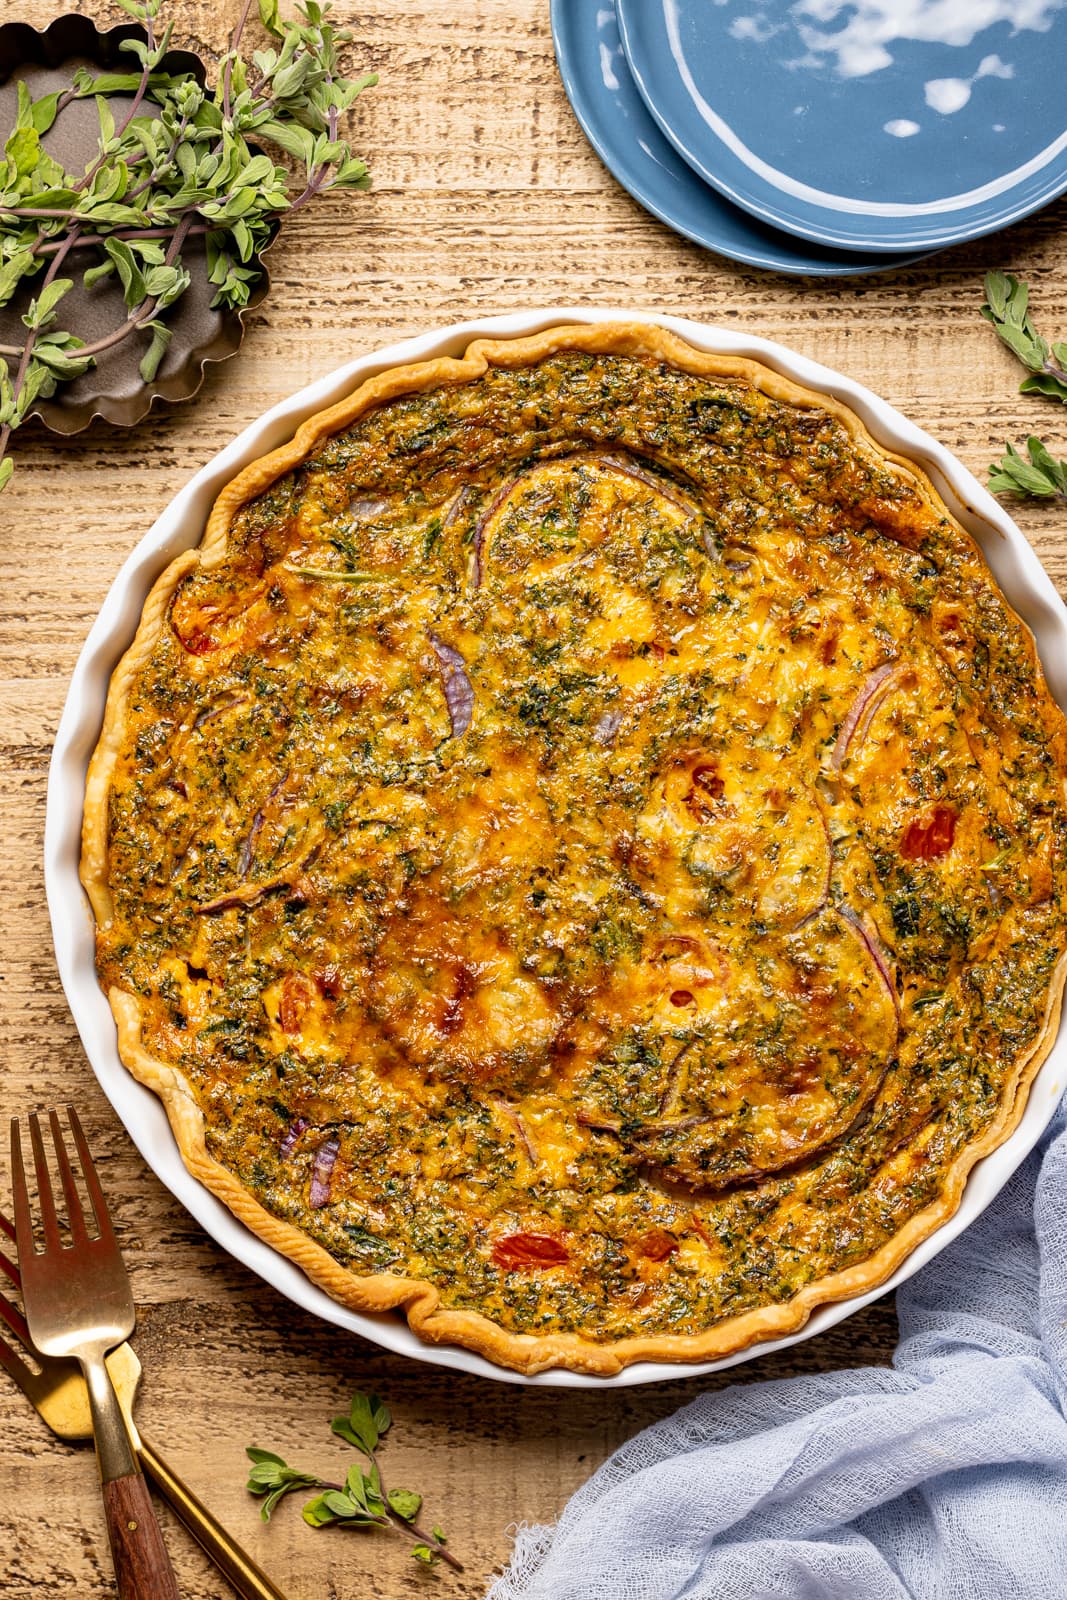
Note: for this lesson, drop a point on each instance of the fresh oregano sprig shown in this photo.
(178, 166)
(1037, 474)
(362, 1500)
(1007, 307)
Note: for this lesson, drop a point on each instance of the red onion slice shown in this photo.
(508, 1111)
(666, 491)
(209, 713)
(674, 1073)
(250, 894)
(455, 507)
(819, 906)
(651, 1130)
(828, 836)
(884, 690)
(870, 687)
(607, 727)
(877, 954)
(322, 1173)
(599, 1124)
(295, 1130)
(459, 692)
(620, 464)
(495, 503)
(244, 897)
(248, 847)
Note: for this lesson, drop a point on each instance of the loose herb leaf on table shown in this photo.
(362, 1500)
(1007, 307)
(178, 166)
(1040, 476)
(1037, 474)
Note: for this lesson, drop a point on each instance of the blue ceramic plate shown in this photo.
(866, 124)
(624, 136)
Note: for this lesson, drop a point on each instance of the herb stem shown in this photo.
(83, 239)
(135, 104)
(47, 212)
(146, 311)
(430, 1539)
(402, 1525)
(227, 76)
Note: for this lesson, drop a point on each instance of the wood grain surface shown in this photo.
(486, 199)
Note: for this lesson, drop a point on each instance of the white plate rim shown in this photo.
(179, 526)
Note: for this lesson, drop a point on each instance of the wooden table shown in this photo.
(486, 199)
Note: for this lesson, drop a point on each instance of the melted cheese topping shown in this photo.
(594, 844)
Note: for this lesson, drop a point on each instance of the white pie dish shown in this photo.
(1013, 563)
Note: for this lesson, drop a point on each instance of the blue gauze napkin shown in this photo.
(942, 1479)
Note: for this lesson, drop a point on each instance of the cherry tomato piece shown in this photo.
(518, 1251)
(657, 1244)
(929, 837)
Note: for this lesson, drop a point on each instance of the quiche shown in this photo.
(579, 851)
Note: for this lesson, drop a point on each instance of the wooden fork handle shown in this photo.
(142, 1565)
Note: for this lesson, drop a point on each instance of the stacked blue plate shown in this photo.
(823, 137)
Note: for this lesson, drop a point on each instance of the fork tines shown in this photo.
(76, 1217)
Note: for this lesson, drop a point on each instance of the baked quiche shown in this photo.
(579, 851)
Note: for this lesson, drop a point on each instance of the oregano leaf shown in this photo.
(342, 1505)
(22, 150)
(1007, 307)
(1046, 383)
(153, 356)
(43, 111)
(98, 273)
(406, 1503)
(355, 1485)
(316, 1512)
(42, 311)
(1037, 474)
(268, 15)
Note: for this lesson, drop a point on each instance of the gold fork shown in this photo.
(78, 1304)
(58, 1393)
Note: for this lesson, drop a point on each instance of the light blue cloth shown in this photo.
(942, 1479)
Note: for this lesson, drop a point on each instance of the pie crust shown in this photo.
(854, 863)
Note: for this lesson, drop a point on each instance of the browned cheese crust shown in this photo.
(579, 852)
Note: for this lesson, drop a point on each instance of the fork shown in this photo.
(56, 1390)
(78, 1304)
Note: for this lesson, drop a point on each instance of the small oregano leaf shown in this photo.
(406, 1503)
